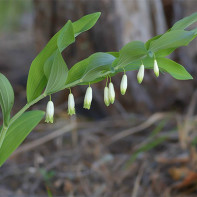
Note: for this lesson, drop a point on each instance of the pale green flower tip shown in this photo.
(111, 93)
(49, 119)
(140, 75)
(88, 98)
(86, 105)
(123, 84)
(49, 112)
(156, 68)
(71, 112)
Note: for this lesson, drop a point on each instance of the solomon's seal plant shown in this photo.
(49, 74)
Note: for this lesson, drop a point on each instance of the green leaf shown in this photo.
(176, 70)
(164, 52)
(37, 80)
(85, 23)
(56, 71)
(90, 68)
(6, 98)
(185, 22)
(172, 39)
(147, 44)
(18, 131)
(131, 52)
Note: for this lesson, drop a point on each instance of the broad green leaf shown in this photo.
(6, 98)
(147, 44)
(115, 54)
(185, 22)
(37, 80)
(66, 36)
(56, 71)
(195, 32)
(85, 23)
(164, 52)
(131, 52)
(176, 70)
(91, 68)
(18, 131)
(172, 39)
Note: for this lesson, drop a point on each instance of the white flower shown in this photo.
(71, 104)
(49, 112)
(106, 96)
(88, 98)
(111, 93)
(140, 74)
(123, 84)
(156, 68)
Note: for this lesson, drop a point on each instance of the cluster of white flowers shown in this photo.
(109, 94)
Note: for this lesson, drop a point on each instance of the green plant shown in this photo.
(49, 74)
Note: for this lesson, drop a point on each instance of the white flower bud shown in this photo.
(123, 84)
(106, 96)
(111, 93)
(140, 74)
(71, 104)
(49, 112)
(88, 98)
(156, 68)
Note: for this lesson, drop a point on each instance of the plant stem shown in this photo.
(16, 116)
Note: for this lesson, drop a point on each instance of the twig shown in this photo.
(137, 181)
(154, 118)
(44, 139)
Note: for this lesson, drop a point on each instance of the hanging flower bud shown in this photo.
(123, 84)
(156, 68)
(88, 98)
(71, 104)
(106, 96)
(111, 93)
(140, 74)
(49, 112)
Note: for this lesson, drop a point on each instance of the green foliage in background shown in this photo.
(49, 73)
(11, 12)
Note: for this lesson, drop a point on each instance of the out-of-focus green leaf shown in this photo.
(18, 131)
(145, 148)
(6, 98)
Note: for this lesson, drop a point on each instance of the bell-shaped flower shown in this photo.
(88, 98)
(111, 93)
(140, 74)
(49, 112)
(106, 96)
(71, 104)
(123, 84)
(156, 68)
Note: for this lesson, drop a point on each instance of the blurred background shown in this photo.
(143, 145)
